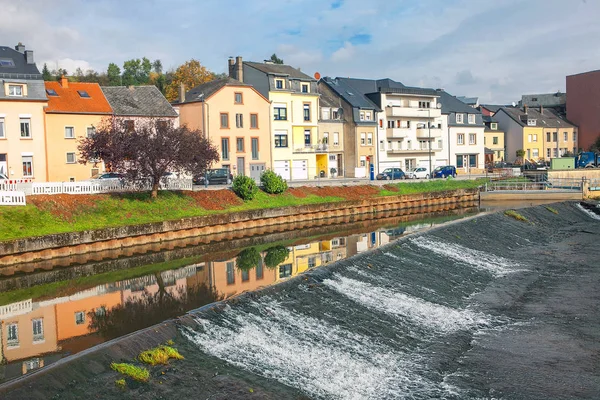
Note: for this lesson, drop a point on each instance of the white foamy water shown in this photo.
(424, 313)
(483, 261)
(588, 212)
(320, 359)
(395, 257)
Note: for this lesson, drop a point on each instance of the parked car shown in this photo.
(391, 173)
(444, 172)
(108, 175)
(3, 176)
(217, 176)
(418, 173)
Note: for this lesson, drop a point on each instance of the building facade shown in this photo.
(493, 141)
(331, 130)
(22, 102)
(583, 106)
(74, 111)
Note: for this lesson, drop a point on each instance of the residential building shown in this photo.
(470, 101)
(22, 102)
(228, 280)
(298, 153)
(493, 141)
(583, 106)
(462, 134)
(331, 130)
(488, 110)
(542, 133)
(235, 117)
(359, 116)
(74, 111)
(557, 101)
(131, 104)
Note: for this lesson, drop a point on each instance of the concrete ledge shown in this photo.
(530, 195)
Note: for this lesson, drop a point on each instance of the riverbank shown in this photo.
(500, 316)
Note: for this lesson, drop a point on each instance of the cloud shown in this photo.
(67, 63)
(344, 53)
(464, 78)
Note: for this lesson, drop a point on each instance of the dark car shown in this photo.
(108, 175)
(217, 176)
(444, 172)
(391, 173)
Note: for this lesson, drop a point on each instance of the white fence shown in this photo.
(90, 187)
(12, 198)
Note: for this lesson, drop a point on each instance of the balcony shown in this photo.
(425, 133)
(398, 133)
(315, 148)
(396, 111)
(409, 151)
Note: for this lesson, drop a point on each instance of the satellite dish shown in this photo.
(514, 104)
(317, 76)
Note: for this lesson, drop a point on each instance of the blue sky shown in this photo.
(496, 50)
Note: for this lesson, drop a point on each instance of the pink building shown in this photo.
(583, 106)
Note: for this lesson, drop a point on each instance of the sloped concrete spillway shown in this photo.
(491, 307)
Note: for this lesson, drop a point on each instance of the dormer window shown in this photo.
(304, 88)
(362, 115)
(7, 62)
(279, 83)
(335, 114)
(471, 118)
(460, 118)
(494, 125)
(531, 122)
(325, 113)
(15, 90)
(51, 92)
(83, 94)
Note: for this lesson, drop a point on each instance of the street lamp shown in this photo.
(439, 106)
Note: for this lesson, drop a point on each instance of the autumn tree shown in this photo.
(149, 150)
(191, 74)
(276, 60)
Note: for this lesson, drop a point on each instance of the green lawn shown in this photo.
(131, 209)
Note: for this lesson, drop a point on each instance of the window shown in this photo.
(281, 141)
(335, 114)
(471, 118)
(91, 131)
(547, 136)
(390, 124)
(2, 133)
(565, 136)
(362, 115)
(459, 161)
(459, 118)
(15, 90)
(555, 152)
(230, 273)
(381, 145)
(531, 122)
(245, 275)
(32, 364)
(259, 270)
(534, 99)
(285, 270)
(370, 139)
(254, 145)
(494, 125)
(239, 145)
(575, 136)
(25, 128)
(336, 138)
(83, 94)
(13, 334)
(312, 262)
(408, 144)
(534, 137)
(129, 125)
(368, 115)
(472, 138)
(280, 113)
(307, 138)
(79, 318)
(51, 92)
(363, 139)
(473, 160)
(424, 104)
(307, 112)
(238, 98)
(38, 329)
(224, 148)
(535, 153)
(495, 140)
(304, 88)
(363, 161)
(440, 144)
(224, 120)
(325, 113)
(548, 153)
(325, 137)
(279, 83)
(460, 138)
(100, 311)
(239, 120)
(71, 158)
(554, 136)
(528, 138)
(69, 132)
(6, 62)
(253, 121)
(27, 166)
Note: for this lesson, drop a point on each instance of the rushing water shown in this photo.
(51, 309)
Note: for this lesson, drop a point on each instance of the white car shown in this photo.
(418, 173)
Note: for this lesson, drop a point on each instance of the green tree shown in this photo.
(275, 59)
(146, 68)
(113, 74)
(248, 259)
(132, 69)
(275, 256)
(79, 75)
(157, 67)
(46, 75)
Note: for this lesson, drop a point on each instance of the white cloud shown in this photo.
(344, 53)
(67, 63)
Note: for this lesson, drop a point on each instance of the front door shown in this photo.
(465, 162)
(240, 166)
(3, 165)
(256, 171)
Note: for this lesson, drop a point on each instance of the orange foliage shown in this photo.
(191, 74)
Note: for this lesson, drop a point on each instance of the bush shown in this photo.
(273, 183)
(245, 187)
(134, 372)
(248, 259)
(275, 256)
(159, 355)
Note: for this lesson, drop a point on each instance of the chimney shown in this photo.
(525, 108)
(181, 92)
(239, 69)
(29, 56)
(231, 65)
(541, 109)
(20, 47)
(64, 82)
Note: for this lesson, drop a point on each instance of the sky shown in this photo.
(494, 50)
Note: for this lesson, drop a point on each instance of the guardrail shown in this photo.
(573, 185)
(12, 198)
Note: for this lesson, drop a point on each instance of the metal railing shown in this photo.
(555, 184)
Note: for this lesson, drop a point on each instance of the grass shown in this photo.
(159, 355)
(515, 215)
(140, 374)
(120, 383)
(552, 210)
(432, 186)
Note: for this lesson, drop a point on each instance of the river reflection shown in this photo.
(47, 315)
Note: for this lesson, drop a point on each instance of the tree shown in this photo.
(248, 259)
(132, 69)
(157, 67)
(114, 75)
(59, 73)
(148, 150)
(79, 75)
(191, 74)
(46, 75)
(275, 59)
(275, 256)
(221, 75)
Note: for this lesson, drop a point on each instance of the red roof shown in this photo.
(69, 99)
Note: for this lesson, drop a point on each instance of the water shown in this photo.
(85, 300)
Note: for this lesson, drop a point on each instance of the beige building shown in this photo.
(493, 141)
(235, 118)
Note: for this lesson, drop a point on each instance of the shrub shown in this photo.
(159, 355)
(273, 183)
(245, 187)
(248, 259)
(552, 210)
(515, 215)
(134, 372)
(275, 256)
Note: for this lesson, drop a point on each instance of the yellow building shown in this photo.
(493, 140)
(74, 110)
(22, 101)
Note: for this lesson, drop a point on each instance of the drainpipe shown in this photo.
(271, 135)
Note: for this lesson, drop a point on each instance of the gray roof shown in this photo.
(544, 99)
(326, 100)
(35, 89)
(353, 91)
(141, 101)
(549, 119)
(280, 70)
(451, 104)
(468, 100)
(204, 91)
(20, 70)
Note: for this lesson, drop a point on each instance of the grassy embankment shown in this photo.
(104, 211)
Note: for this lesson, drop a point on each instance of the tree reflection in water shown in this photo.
(150, 309)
